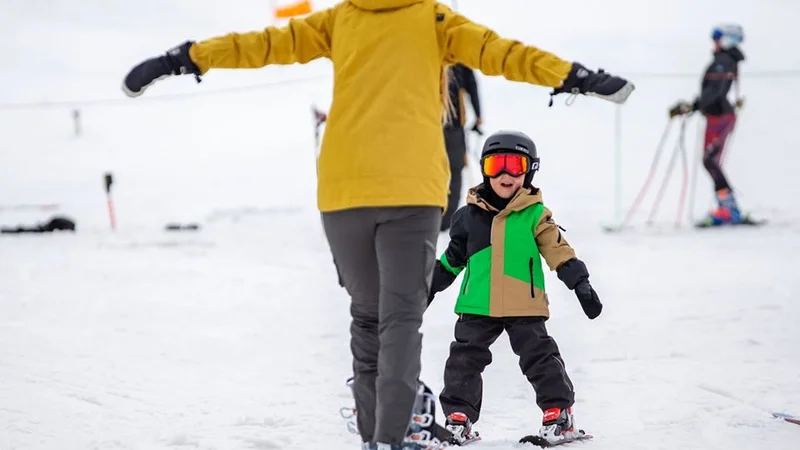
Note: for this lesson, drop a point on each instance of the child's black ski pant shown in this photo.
(539, 359)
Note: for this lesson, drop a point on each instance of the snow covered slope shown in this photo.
(235, 337)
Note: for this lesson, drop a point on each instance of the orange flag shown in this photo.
(297, 8)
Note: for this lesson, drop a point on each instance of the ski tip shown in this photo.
(612, 228)
(787, 417)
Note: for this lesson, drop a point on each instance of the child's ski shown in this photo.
(471, 440)
(542, 442)
(787, 417)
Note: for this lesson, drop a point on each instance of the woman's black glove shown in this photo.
(175, 61)
(581, 80)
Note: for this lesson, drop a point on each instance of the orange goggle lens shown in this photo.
(512, 164)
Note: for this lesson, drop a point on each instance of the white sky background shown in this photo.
(61, 50)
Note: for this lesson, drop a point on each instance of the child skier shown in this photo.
(720, 117)
(500, 237)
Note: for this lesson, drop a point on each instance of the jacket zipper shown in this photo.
(466, 280)
(530, 269)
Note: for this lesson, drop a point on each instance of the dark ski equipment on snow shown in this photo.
(541, 442)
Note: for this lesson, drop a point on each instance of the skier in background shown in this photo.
(720, 116)
(383, 171)
(462, 84)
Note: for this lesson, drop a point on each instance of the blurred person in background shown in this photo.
(720, 116)
(462, 83)
(383, 170)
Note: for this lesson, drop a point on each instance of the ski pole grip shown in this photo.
(109, 180)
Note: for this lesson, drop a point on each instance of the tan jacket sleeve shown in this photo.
(553, 246)
(481, 48)
(303, 40)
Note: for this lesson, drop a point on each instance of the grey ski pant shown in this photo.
(385, 259)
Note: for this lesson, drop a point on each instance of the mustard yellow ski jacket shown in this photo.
(383, 143)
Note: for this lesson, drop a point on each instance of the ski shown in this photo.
(466, 442)
(613, 228)
(746, 222)
(787, 417)
(542, 442)
(444, 435)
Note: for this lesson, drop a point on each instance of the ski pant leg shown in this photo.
(469, 356)
(718, 128)
(405, 243)
(540, 361)
(351, 237)
(456, 145)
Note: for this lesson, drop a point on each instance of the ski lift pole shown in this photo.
(618, 164)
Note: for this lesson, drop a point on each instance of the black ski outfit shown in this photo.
(462, 84)
(720, 114)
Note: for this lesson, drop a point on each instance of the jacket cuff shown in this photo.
(572, 272)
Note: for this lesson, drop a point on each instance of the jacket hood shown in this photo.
(377, 5)
(735, 53)
(524, 198)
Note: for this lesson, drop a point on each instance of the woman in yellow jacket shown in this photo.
(383, 170)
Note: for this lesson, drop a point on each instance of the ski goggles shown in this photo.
(514, 164)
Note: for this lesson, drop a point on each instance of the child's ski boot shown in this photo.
(459, 424)
(558, 427)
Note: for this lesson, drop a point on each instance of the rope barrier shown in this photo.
(237, 89)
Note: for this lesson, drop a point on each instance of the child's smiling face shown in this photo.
(505, 186)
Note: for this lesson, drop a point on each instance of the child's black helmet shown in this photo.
(509, 141)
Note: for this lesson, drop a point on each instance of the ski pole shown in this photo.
(651, 173)
(664, 183)
(318, 118)
(685, 166)
(698, 161)
(109, 180)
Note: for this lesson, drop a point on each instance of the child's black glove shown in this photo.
(175, 61)
(590, 302)
(575, 276)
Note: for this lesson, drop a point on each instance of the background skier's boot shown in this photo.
(727, 211)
